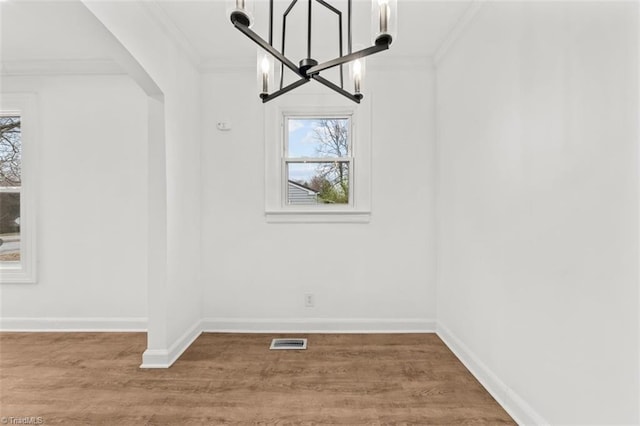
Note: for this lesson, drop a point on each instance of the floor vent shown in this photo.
(288, 344)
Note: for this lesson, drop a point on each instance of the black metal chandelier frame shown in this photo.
(308, 67)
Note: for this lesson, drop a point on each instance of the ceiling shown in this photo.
(50, 30)
(66, 30)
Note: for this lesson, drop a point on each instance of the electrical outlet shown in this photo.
(309, 300)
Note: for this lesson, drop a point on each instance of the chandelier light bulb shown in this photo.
(264, 65)
(384, 16)
(384, 20)
(357, 75)
(357, 68)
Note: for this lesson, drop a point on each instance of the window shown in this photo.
(10, 186)
(17, 252)
(317, 160)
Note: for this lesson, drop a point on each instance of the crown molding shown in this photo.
(60, 67)
(247, 63)
(171, 30)
(457, 30)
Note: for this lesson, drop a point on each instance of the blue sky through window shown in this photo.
(302, 172)
(303, 138)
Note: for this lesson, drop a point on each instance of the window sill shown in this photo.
(10, 275)
(291, 216)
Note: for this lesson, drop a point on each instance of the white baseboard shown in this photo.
(513, 404)
(318, 325)
(73, 324)
(164, 358)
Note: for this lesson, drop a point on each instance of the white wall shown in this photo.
(537, 107)
(174, 182)
(379, 275)
(91, 206)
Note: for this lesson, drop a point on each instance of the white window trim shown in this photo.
(24, 105)
(311, 105)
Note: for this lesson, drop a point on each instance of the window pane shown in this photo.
(10, 182)
(318, 137)
(9, 226)
(318, 183)
(10, 151)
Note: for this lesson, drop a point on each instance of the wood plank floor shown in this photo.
(93, 379)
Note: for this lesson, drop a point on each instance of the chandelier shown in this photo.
(383, 15)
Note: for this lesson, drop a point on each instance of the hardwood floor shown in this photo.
(93, 379)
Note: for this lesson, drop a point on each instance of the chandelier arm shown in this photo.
(347, 58)
(309, 30)
(340, 48)
(336, 88)
(271, 96)
(284, 37)
(284, 33)
(266, 46)
(340, 39)
(328, 6)
(349, 38)
(271, 22)
(293, 3)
